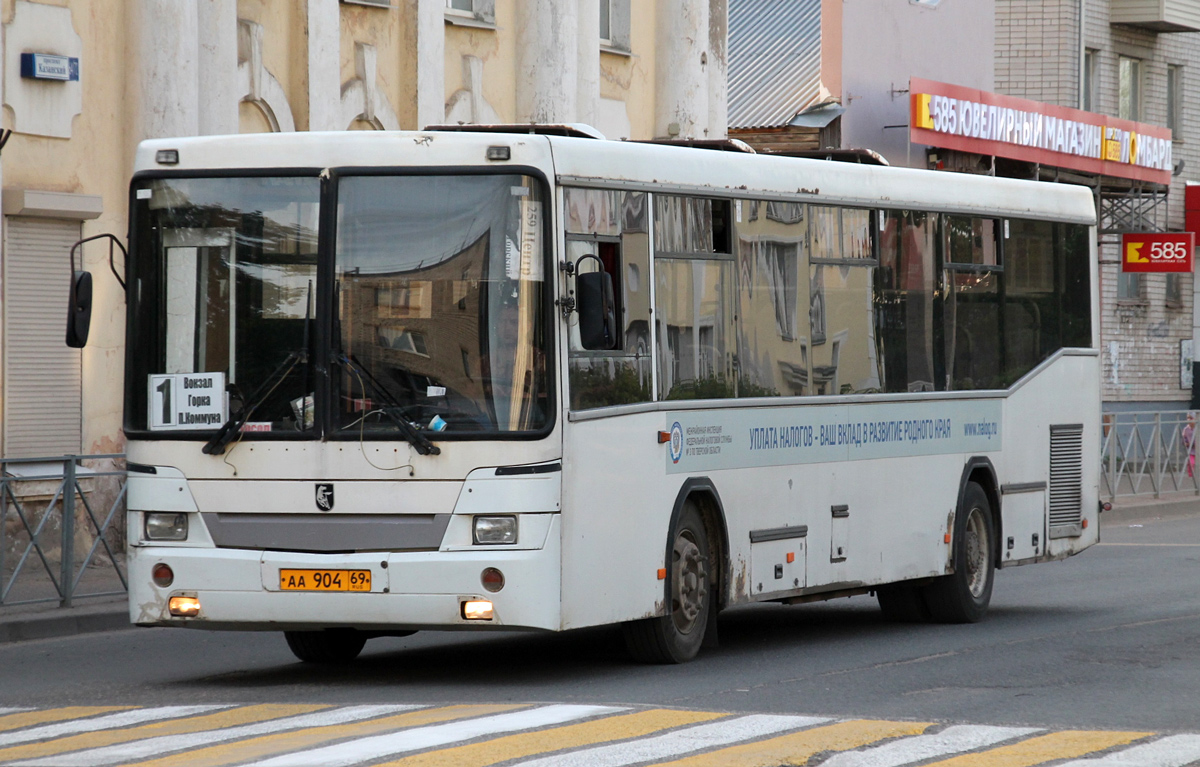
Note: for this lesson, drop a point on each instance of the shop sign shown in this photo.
(1157, 252)
(971, 120)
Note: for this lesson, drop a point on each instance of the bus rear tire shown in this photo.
(963, 596)
(677, 636)
(329, 646)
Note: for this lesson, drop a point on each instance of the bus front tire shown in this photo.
(677, 636)
(963, 596)
(328, 646)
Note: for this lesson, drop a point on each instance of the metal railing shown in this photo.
(1148, 452)
(48, 509)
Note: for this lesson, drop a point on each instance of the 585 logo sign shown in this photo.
(1157, 252)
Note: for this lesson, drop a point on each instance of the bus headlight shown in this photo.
(162, 526)
(495, 530)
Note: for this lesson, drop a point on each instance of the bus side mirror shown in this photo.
(597, 310)
(79, 312)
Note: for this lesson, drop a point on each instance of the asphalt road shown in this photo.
(1108, 639)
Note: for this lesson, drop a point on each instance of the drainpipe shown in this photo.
(1082, 50)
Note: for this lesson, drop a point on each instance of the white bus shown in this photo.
(385, 382)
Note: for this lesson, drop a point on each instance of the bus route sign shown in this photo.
(1141, 252)
(180, 401)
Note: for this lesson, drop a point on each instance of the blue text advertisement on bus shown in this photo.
(730, 438)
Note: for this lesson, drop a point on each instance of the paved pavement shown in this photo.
(27, 622)
(545, 735)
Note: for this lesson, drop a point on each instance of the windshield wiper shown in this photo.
(216, 445)
(392, 410)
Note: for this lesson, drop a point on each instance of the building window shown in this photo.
(478, 11)
(614, 25)
(1174, 297)
(1087, 102)
(1129, 287)
(1129, 106)
(1174, 99)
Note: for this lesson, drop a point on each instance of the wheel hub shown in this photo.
(977, 544)
(689, 587)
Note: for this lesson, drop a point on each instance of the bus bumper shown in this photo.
(240, 589)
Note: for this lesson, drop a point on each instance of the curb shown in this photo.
(55, 622)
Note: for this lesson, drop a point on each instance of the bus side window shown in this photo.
(611, 226)
(772, 319)
(696, 298)
(843, 256)
(973, 327)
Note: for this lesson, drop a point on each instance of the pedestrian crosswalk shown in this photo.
(544, 735)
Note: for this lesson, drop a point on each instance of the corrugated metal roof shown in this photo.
(774, 60)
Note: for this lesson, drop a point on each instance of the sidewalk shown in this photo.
(43, 621)
(1168, 505)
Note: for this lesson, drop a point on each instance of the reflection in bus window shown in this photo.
(440, 293)
(695, 327)
(772, 329)
(970, 241)
(845, 359)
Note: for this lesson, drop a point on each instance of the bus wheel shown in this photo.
(676, 637)
(328, 646)
(963, 596)
(902, 604)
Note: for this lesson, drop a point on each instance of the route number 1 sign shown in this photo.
(187, 401)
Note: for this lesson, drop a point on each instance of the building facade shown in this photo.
(85, 80)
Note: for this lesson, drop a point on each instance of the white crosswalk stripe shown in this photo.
(107, 722)
(4, 711)
(680, 742)
(545, 735)
(1171, 751)
(952, 740)
(379, 747)
(166, 744)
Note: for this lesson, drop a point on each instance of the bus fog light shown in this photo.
(163, 575)
(492, 579)
(166, 527)
(472, 610)
(495, 530)
(184, 607)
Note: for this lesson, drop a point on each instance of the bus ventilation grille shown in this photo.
(1066, 479)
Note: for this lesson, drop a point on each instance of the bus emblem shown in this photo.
(325, 496)
(676, 442)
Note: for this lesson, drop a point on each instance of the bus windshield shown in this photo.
(436, 318)
(440, 290)
(223, 283)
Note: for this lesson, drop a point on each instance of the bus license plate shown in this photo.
(324, 580)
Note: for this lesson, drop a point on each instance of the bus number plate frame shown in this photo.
(306, 579)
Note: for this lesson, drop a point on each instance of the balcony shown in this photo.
(1157, 15)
